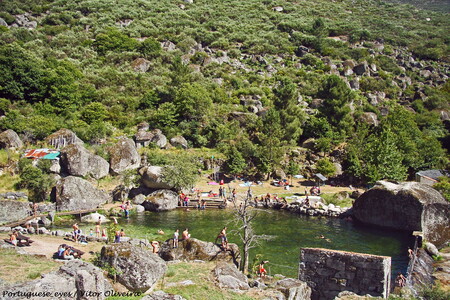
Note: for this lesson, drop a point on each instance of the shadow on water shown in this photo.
(290, 232)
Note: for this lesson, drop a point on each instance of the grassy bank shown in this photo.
(15, 267)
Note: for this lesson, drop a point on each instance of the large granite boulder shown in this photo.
(294, 289)
(63, 138)
(10, 139)
(124, 156)
(11, 210)
(160, 295)
(179, 141)
(93, 218)
(410, 206)
(193, 249)
(151, 177)
(75, 193)
(138, 269)
(161, 200)
(78, 161)
(73, 280)
(229, 277)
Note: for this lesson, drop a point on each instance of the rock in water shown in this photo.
(124, 156)
(93, 218)
(74, 193)
(10, 139)
(161, 200)
(410, 206)
(78, 161)
(139, 269)
(193, 249)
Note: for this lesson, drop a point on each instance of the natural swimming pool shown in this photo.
(289, 232)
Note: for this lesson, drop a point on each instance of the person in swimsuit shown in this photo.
(176, 235)
(262, 270)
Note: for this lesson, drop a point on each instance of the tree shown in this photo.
(235, 162)
(443, 186)
(376, 157)
(35, 179)
(22, 75)
(181, 172)
(150, 48)
(325, 167)
(244, 215)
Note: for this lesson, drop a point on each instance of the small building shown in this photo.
(430, 177)
(320, 179)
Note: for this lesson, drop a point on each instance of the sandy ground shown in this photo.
(48, 245)
(299, 186)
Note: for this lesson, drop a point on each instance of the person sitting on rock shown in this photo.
(68, 254)
(61, 249)
(155, 246)
(185, 235)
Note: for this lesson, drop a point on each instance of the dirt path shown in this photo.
(48, 245)
(298, 186)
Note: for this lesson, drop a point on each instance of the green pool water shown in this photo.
(289, 232)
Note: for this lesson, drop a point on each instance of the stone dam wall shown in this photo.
(329, 272)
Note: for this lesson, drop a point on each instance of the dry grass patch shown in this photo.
(15, 267)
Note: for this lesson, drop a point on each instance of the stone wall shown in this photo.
(329, 272)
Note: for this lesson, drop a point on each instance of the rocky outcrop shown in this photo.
(93, 218)
(124, 156)
(370, 118)
(63, 138)
(78, 161)
(74, 193)
(193, 249)
(160, 295)
(10, 139)
(138, 269)
(179, 141)
(422, 272)
(293, 289)
(151, 177)
(143, 138)
(161, 200)
(229, 277)
(410, 206)
(73, 279)
(141, 65)
(11, 210)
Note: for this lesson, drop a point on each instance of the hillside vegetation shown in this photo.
(366, 80)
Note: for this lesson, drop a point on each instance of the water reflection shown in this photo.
(290, 232)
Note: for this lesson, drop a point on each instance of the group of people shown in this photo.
(99, 231)
(68, 252)
(183, 199)
(315, 191)
(185, 235)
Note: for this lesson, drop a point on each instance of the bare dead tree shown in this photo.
(244, 216)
